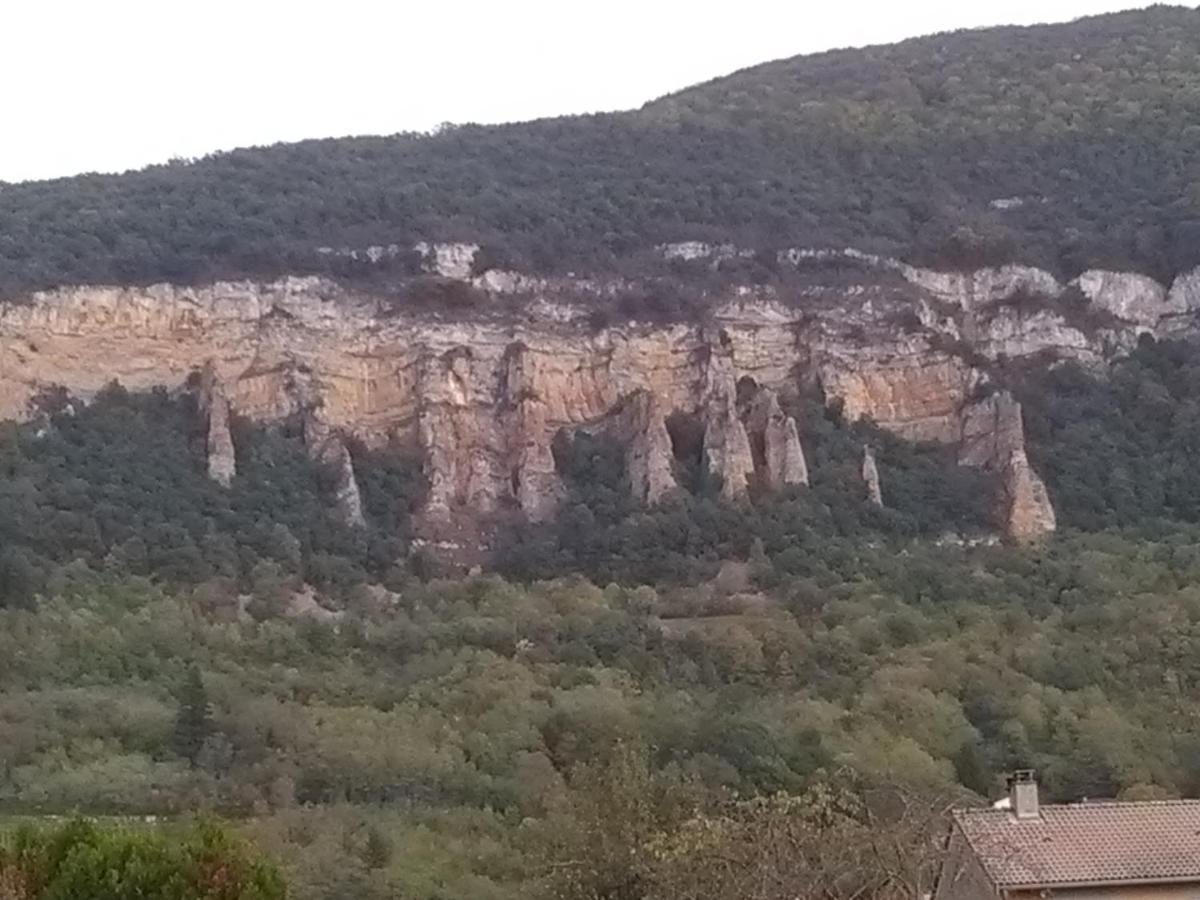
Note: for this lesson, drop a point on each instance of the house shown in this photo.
(1083, 851)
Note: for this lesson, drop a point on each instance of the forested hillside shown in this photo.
(495, 737)
(770, 693)
(1064, 146)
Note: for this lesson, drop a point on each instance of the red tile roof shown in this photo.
(1087, 843)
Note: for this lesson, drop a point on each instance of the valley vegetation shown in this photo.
(104, 862)
(699, 699)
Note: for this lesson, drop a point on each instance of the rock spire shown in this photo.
(870, 476)
(214, 407)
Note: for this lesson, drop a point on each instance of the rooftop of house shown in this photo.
(1090, 843)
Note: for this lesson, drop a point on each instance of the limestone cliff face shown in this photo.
(534, 478)
(214, 407)
(778, 454)
(727, 452)
(324, 444)
(482, 396)
(914, 390)
(1127, 296)
(648, 454)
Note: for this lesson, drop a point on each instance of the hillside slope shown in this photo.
(1065, 146)
(770, 557)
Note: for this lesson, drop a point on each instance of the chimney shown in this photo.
(1023, 794)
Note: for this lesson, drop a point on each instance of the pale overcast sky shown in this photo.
(107, 85)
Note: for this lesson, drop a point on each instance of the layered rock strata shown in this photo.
(483, 396)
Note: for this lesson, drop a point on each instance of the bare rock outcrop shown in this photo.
(1183, 302)
(1126, 295)
(450, 260)
(327, 447)
(993, 439)
(973, 290)
(214, 407)
(534, 479)
(649, 460)
(481, 395)
(778, 454)
(870, 476)
(907, 387)
(462, 444)
(324, 444)
(727, 451)
(991, 429)
(1029, 515)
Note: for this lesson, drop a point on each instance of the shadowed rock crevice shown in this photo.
(327, 448)
(775, 442)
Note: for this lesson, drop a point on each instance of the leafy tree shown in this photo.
(84, 860)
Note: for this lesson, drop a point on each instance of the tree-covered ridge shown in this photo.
(1094, 74)
(1084, 131)
(119, 483)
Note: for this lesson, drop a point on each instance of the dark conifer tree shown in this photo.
(193, 721)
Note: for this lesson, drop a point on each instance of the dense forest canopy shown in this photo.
(1065, 146)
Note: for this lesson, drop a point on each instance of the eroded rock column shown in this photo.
(781, 458)
(727, 450)
(993, 439)
(461, 438)
(870, 476)
(534, 476)
(214, 406)
(648, 455)
(327, 448)
(1029, 516)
